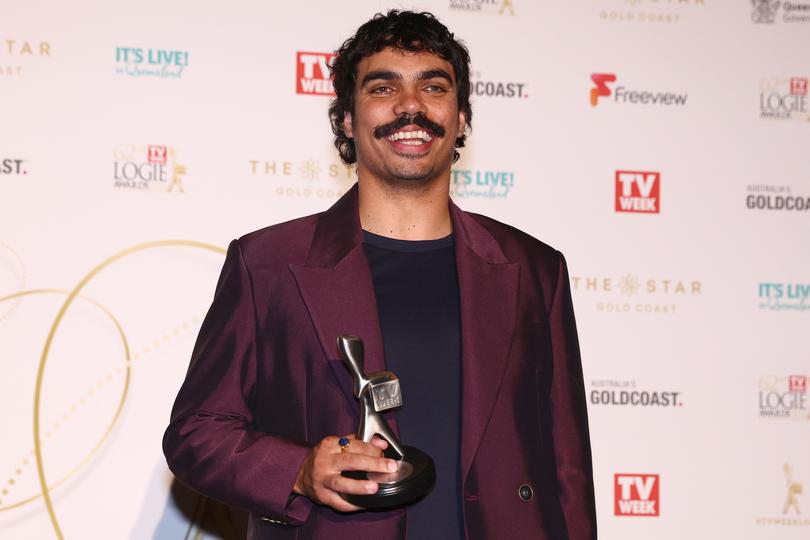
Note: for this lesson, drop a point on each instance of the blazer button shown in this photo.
(525, 492)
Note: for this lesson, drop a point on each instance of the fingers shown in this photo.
(370, 449)
(350, 461)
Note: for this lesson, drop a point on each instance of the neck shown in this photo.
(406, 212)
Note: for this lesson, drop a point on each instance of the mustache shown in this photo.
(403, 120)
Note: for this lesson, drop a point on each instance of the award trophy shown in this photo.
(379, 392)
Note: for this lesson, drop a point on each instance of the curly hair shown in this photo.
(403, 30)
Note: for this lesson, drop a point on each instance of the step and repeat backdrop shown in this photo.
(662, 145)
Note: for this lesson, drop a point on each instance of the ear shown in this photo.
(347, 125)
(462, 123)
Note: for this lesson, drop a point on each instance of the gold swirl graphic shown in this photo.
(49, 341)
(121, 401)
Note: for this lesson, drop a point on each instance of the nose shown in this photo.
(409, 101)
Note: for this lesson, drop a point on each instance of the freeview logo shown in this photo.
(312, 73)
(628, 96)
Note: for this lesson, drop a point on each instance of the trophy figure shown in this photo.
(379, 392)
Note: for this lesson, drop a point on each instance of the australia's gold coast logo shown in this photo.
(148, 168)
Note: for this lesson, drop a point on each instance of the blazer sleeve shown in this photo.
(570, 416)
(211, 444)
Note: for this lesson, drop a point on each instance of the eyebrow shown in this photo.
(387, 75)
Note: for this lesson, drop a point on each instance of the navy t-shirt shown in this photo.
(418, 303)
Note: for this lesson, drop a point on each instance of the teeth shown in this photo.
(406, 135)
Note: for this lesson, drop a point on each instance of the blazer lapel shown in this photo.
(488, 287)
(337, 288)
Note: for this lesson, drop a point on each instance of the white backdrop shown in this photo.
(138, 139)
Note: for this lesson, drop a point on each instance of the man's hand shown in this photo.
(319, 477)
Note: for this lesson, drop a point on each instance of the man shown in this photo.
(473, 315)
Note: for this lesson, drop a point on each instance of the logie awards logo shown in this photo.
(484, 7)
(147, 168)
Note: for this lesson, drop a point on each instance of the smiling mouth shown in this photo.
(410, 138)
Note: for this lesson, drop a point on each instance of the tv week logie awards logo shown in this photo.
(312, 76)
(147, 168)
(637, 495)
(784, 397)
(784, 98)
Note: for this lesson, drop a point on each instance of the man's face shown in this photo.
(395, 92)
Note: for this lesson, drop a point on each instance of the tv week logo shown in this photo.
(312, 73)
(636, 495)
(638, 191)
(601, 89)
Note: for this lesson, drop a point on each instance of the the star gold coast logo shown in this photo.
(793, 492)
(484, 7)
(148, 168)
(304, 177)
(648, 11)
(629, 293)
(18, 54)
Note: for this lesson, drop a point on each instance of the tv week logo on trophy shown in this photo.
(637, 495)
(638, 191)
(312, 73)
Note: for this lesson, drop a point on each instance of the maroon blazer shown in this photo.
(265, 381)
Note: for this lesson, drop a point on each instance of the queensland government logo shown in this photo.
(16, 54)
(784, 98)
(792, 494)
(784, 296)
(638, 192)
(147, 168)
(465, 183)
(637, 494)
(767, 11)
(305, 177)
(778, 198)
(13, 167)
(312, 75)
(483, 87)
(784, 397)
(608, 392)
(622, 95)
(158, 63)
(648, 11)
(487, 7)
(630, 293)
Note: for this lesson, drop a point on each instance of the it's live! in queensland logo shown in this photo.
(637, 495)
(638, 192)
(603, 88)
(158, 63)
(312, 75)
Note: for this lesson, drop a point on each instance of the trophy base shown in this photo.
(415, 477)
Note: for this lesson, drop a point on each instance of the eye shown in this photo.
(381, 90)
(435, 89)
